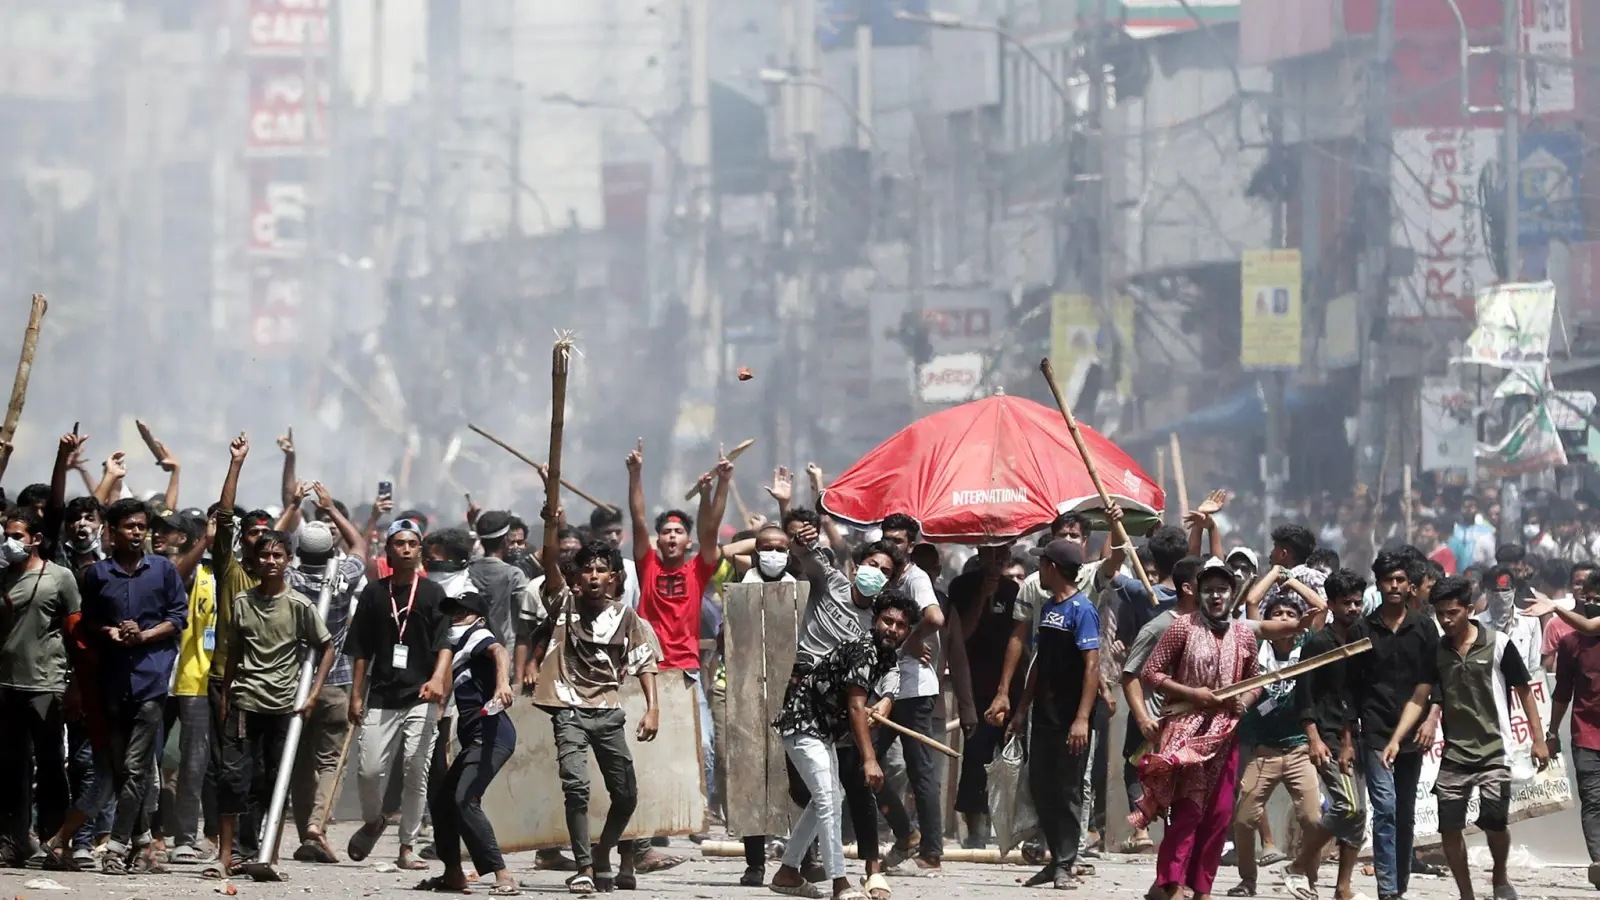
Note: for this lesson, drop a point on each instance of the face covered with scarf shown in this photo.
(1499, 594)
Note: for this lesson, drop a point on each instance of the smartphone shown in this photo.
(385, 489)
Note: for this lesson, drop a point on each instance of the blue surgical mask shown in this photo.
(870, 581)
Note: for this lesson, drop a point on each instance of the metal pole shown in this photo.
(1373, 270)
(1510, 98)
(273, 827)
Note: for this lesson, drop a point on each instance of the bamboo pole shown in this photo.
(1161, 477)
(1177, 474)
(914, 735)
(19, 385)
(539, 467)
(560, 356)
(1300, 668)
(1118, 533)
(733, 454)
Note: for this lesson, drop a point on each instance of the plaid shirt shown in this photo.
(352, 578)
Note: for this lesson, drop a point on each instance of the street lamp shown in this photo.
(780, 77)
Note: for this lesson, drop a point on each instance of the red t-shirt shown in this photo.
(1445, 557)
(669, 599)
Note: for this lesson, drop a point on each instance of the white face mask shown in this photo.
(772, 562)
(456, 631)
(12, 551)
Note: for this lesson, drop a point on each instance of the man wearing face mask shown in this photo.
(500, 583)
(41, 606)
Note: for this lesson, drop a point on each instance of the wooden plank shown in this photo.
(745, 744)
(782, 606)
(528, 809)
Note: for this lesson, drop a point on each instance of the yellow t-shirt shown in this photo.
(199, 637)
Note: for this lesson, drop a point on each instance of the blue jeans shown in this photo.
(708, 733)
(1392, 795)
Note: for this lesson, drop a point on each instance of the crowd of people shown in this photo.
(153, 658)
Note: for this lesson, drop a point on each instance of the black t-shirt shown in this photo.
(375, 633)
(1068, 630)
(986, 648)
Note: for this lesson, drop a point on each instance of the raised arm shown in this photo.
(111, 481)
(289, 484)
(641, 529)
(358, 545)
(289, 520)
(238, 449)
(66, 452)
(782, 490)
(712, 508)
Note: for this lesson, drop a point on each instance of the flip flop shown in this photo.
(1080, 870)
(806, 890)
(656, 861)
(1242, 889)
(852, 893)
(580, 884)
(365, 838)
(215, 872)
(505, 890)
(877, 887)
(410, 865)
(1044, 876)
(315, 850)
(1272, 857)
(437, 884)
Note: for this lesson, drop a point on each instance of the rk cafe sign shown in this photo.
(278, 110)
(287, 27)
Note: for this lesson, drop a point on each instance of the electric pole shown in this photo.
(1274, 470)
(1511, 99)
(1373, 268)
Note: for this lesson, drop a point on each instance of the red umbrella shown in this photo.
(989, 471)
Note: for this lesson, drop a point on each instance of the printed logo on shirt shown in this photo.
(672, 585)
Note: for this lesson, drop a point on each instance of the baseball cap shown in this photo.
(469, 601)
(1214, 565)
(1249, 555)
(316, 538)
(399, 525)
(1065, 554)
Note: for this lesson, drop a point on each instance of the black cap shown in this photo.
(1065, 554)
(471, 601)
(492, 524)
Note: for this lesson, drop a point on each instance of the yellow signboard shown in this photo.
(1074, 333)
(1269, 316)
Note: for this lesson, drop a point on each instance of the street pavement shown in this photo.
(1117, 876)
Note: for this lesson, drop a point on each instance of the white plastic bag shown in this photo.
(1010, 801)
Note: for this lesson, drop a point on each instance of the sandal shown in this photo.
(655, 861)
(365, 838)
(1138, 845)
(877, 887)
(580, 884)
(216, 872)
(505, 890)
(410, 865)
(1065, 882)
(1272, 856)
(1044, 876)
(805, 889)
(850, 893)
(438, 885)
(1242, 889)
(315, 850)
(1299, 886)
(1080, 870)
(59, 860)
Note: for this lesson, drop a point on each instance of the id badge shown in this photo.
(402, 656)
(208, 640)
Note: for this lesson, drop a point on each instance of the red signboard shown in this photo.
(277, 300)
(627, 193)
(287, 27)
(278, 107)
(277, 213)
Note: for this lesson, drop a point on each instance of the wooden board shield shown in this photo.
(760, 625)
(526, 804)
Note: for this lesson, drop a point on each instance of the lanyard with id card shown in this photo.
(401, 654)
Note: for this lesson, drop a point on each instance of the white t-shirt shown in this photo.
(916, 679)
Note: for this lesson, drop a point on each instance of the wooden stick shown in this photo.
(19, 386)
(1118, 533)
(1177, 474)
(738, 502)
(1405, 498)
(338, 779)
(539, 467)
(914, 735)
(1161, 476)
(1300, 668)
(559, 358)
(733, 454)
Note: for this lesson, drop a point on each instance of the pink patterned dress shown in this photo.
(1195, 748)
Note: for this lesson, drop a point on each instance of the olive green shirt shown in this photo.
(269, 635)
(232, 580)
(33, 654)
